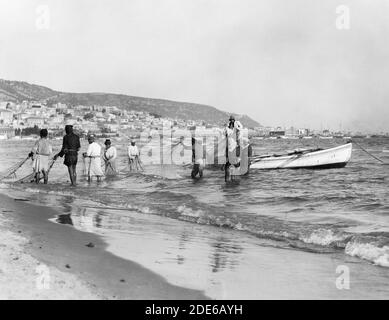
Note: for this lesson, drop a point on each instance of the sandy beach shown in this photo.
(77, 271)
(143, 263)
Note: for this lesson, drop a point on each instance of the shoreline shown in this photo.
(62, 248)
(161, 258)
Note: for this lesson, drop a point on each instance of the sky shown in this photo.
(282, 62)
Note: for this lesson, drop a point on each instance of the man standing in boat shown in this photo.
(237, 155)
(232, 134)
(70, 147)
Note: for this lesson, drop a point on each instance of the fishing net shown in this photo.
(212, 149)
(30, 177)
(12, 170)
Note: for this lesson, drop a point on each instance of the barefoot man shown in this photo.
(70, 147)
(41, 152)
(109, 157)
(133, 156)
(94, 155)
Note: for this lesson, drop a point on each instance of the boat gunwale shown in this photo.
(299, 155)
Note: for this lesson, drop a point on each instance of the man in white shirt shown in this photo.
(110, 155)
(133, 156)
(232, 134)
(94, 155)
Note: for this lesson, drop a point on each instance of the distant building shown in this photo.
(60, 106)
(112, 126)
(292, 131)
(277, 132)
(303, 132)
(7, 132)
(35, 121)
(37, 106)
(6, 116)
(3, 104)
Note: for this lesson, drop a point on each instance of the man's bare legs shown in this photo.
(45, 177)
(72, 175)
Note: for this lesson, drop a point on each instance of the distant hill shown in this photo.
(17, 91)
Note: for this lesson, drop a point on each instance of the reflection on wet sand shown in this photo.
(175, 249)
(224, 263)
(226, 253)
(65, 219)
(98, 219)
(67, 202)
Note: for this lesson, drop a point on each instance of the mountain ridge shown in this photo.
(17, 91)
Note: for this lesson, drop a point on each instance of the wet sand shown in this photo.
(228, 264)
(64, 250)
(24, 277)
(154, 257)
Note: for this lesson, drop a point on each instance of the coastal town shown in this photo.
(23, 120)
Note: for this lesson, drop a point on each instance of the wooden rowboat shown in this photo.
(337, 157)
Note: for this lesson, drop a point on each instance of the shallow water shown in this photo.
(341, 212)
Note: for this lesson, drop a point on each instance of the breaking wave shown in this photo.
(156, 197)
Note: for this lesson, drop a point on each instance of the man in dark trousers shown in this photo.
(70, 147)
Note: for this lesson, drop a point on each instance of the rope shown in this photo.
(12, 169)
(30, 177)
(107, 164)
(372, 155)
(51, 165)
(139, 163)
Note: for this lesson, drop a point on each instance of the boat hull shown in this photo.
(337, 157)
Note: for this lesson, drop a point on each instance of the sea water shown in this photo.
(200, 233)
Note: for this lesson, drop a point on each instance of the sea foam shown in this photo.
(370, 252)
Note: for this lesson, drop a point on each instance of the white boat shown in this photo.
(337, 157)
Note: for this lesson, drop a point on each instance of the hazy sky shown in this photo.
(282, 62)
